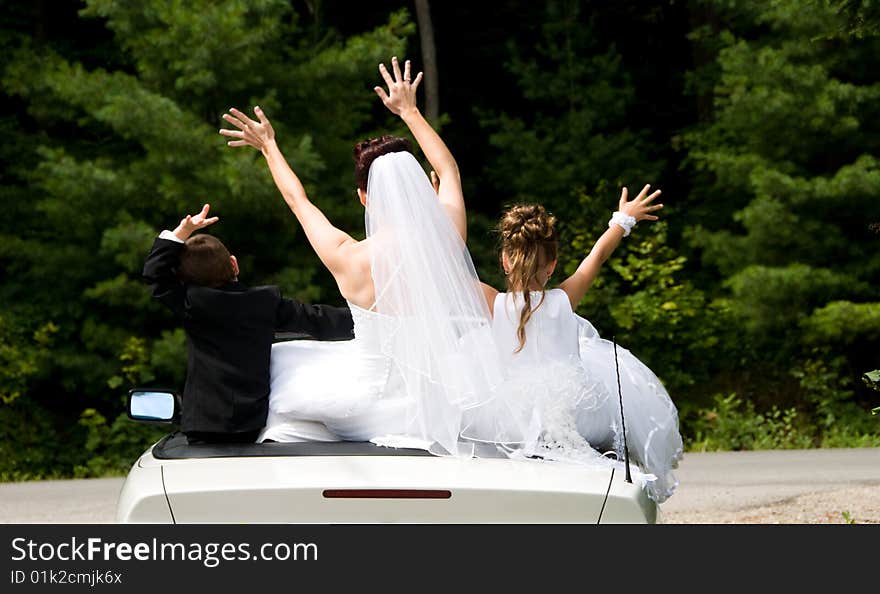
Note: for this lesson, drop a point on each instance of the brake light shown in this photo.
(386, 494)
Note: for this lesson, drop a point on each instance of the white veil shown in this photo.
(436, 328)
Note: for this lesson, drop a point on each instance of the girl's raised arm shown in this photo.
(328, 242)
(401, 100)
(577, 284)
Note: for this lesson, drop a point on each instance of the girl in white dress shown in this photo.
(560, 369)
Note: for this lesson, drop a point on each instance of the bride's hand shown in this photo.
(401, 95)
(640, 206)
(249, 133)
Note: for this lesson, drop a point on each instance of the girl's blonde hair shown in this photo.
(528, 239)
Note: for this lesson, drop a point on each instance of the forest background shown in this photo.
(756, 300)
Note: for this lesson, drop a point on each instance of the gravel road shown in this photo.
(777, 487)
(781, 486)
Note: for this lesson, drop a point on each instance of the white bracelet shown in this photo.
(625, 221)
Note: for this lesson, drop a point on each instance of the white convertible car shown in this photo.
(348, 482)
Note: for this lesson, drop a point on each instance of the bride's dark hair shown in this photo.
(528, 238)
(367, 151)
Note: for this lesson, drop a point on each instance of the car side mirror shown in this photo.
(148, 405)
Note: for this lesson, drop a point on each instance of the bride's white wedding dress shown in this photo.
(358, 390)
(566, 375)
(330, 391)
(422, 354)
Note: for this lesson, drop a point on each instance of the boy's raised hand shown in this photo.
(640, 207)
(192, 223)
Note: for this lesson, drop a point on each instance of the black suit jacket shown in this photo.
(229, 333)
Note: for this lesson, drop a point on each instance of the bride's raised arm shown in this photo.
(329, 242)
(401, 100)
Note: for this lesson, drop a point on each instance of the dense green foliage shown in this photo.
(756, 300)
(122, 150)
(789, 158)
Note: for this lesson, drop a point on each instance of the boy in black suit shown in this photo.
(229, 328)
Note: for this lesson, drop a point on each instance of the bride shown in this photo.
(423, 354)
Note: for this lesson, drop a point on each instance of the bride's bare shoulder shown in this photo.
(351, 252)
(357, 254)
(356, 283)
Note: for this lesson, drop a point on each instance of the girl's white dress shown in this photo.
(565, 374)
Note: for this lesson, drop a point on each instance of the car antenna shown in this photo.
(622, 421)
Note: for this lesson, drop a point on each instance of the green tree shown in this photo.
(789, 157)
(861, 18)
(120, 147)
(568, 145)
(571, 134)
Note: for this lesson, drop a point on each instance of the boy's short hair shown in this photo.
(205, 261)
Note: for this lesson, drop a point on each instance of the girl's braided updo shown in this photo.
(528, 240)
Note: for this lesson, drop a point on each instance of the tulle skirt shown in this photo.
(651, 418)
(569, 410)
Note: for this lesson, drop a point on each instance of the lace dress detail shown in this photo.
(565, 382)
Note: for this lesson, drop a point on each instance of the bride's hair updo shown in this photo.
(367, 151)
(528, 239)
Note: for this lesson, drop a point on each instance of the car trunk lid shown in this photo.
(357, 489)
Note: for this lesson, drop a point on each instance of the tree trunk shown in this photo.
(429, 61)
(40, 20)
